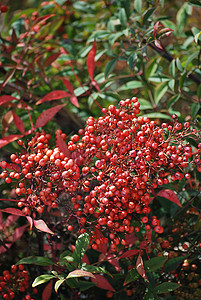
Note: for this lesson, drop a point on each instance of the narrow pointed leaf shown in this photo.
(173, 263)
(47, 292)
(6, 98)
(36, 260)
(19, 232)
(2, 199)
(6, 121)
(47, 115)
(42, 279)
(54, 95)
(74, 101)
(62, 145)
(18, 123)
(51, 59)
(13, 211)
(154, 263)
(91, 61)
(170, 195)
(129, 253)
(68, 85)
(140, 268)
(8, 139)
(42, 226)
(7, 77)
(102, 283)
(80, 273)
(81, 247)
(166, 287)
(58, 283)
(132, 275)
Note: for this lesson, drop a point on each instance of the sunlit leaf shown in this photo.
(42, 279)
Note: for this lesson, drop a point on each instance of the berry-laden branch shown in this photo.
(108, 174)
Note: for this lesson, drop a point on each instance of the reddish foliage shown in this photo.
(47, 115)
(91, 61)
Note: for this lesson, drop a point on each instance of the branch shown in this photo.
(169, 57)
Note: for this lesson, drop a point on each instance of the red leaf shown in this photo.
(8, 139)
(85, 259)
(7, 120)
(42, 19)
(140, 268)
(95, 83)
(13, 167)
(131, 239)
(73, 99)
(102, 282)
(10, 220)
(68, 85)
(13, 211)
(30, 220)
(156, 27)
(129, 253)
(51, 59)
(18, 123)
(102, 247)
(54, 95)
(62, 145)
(18, 233)
(170, 195)
(8, 199)
(91, 61)
(47, 115)
(158, 44)
(6, 98)
(7, 77)
(47, 292)
(113, 261)
(41, 225)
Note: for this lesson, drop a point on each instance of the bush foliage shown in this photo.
(99, 195)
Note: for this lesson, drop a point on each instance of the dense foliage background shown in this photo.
(63, 61)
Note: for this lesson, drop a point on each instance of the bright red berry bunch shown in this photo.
(109, 172)
(14, 283)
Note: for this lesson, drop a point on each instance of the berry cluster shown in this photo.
(14, 283)
(109, 172)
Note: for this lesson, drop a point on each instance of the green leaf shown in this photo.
(171, 84)
(159, 78)
(173, 100)
(36, 260)
(94, 269)
(149, 296)
(197, 36)
(166, 287)
(132, 275)
(154, 263)
(191, 57)
(158, 116)
(80, 273)
(151, 68)
(60, 2)
(81, 247)
(131, 85)
(159, 92)
(42, 279)
(110, 67)
(199, 92)
(85, 285)
(148, 14)
(182, 16)
(66, 253)
(80, 90)
(173, 263)
(172, 68)
(195, 109)
(179, 65)
(182, 79)
(144, 104)
(138, 6)
(195, 3)
(68, 258)
(132, 61)
(58, 283)
(123, 17)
